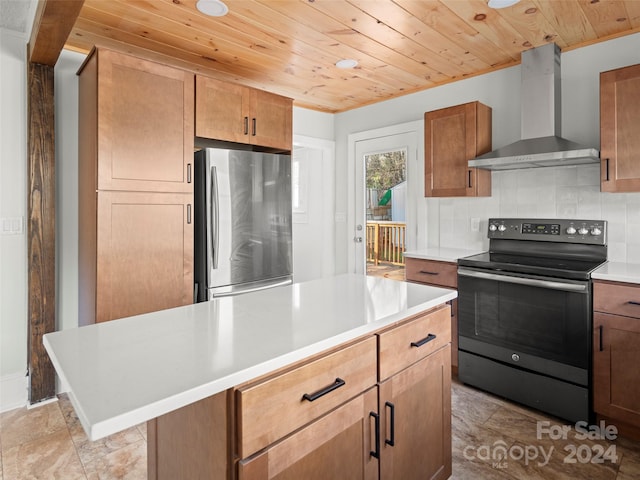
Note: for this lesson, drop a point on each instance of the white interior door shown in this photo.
(313, 191)
(379, 141)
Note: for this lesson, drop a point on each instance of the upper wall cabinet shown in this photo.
(620, 129)
(452, 137)
(142, 113)
(235, 113)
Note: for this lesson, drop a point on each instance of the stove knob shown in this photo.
(596, 231)
(501, 228)
(583, 231)
(492, 228)
(571, 231)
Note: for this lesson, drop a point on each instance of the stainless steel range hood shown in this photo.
(541, 144)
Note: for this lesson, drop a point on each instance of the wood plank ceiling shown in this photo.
(290, 47)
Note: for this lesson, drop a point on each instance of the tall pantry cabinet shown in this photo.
(135, 192)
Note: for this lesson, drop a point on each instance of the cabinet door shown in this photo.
(271, 123)
(619, 126)
(338, 445)
(144, 253)
(415, 414)
(223, 110)
(616, 354)
(453, 136)
(145, 125)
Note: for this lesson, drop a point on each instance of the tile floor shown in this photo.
(48, 442)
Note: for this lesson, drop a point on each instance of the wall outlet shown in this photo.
(12, 226)
(475, 224)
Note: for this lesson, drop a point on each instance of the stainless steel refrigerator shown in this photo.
(242, 216)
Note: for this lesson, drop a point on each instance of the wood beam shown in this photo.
(41, 228)
(51, 27)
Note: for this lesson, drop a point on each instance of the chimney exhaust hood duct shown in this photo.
(541, 144)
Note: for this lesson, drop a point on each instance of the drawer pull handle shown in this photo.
(376, 453)
(392, 420)
(631, 302)
(426, 339)
(314, 396)
(427, 272)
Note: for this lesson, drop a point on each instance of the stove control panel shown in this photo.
(592, 232)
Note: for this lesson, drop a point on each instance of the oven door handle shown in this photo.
(532, 282)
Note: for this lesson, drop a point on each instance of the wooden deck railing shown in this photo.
(386, 242)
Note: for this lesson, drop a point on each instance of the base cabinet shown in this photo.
(386, 416)
(412, 449)
(616, 352)
(438, 274)
(339, 445)
(191, 442)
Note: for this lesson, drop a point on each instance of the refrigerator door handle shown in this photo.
(213, 239)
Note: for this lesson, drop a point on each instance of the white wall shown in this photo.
(313, 124)
(558, 192)
(66, 97)
(13, 205)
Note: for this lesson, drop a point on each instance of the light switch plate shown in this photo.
(12, 225)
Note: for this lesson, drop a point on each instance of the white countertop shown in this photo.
(441, 254)
(618, 272)
(125, 372)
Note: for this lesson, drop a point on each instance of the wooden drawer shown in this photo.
(617, 298)
(276, 407)
(431, 271)
(404, 345)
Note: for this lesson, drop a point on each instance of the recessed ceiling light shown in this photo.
(347, 63)
(502, 3)
(213, 8)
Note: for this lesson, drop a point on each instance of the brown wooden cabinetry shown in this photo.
(616, 352)
(338, 445)
(439, 274)
(135, 190)
(144, 246)
(619, 127)
(139, 116)
(413, 449)
(342, 374)
(242, 114)
(452, 137)
(415, 399)
(379, 407)
(192, 442)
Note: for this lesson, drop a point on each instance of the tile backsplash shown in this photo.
(551, 192)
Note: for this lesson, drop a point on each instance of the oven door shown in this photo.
(537, 323)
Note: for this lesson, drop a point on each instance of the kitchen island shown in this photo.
(163, 364)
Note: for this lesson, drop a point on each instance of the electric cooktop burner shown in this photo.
(569, 249)
(552, 267)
